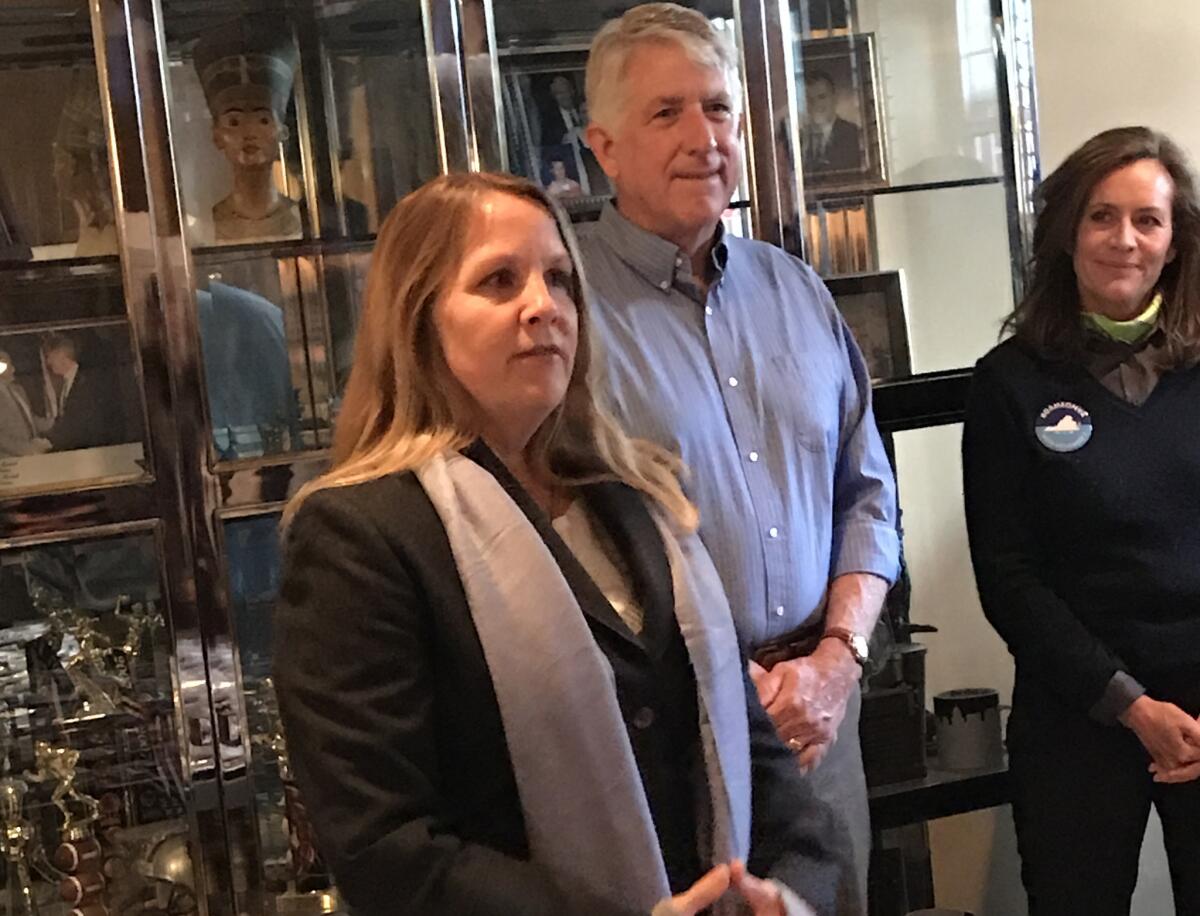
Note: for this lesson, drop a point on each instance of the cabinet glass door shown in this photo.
(71, 408)
(903, 148)
(295, 129)
(542, 52)
(97, 773)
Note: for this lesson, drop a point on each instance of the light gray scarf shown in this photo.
(586, 814)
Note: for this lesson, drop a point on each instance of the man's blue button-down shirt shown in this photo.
(759, 385)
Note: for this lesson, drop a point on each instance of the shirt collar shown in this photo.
(651, 256)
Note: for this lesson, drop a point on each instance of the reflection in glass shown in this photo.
(293, 870)
(318, 115)
(252, 403)
(81, 167)
(952, 245)
(55, 191)
(91, 756)
(381, 107)
(936, 207)
(938, 74)
(69, 408)
(345, 284)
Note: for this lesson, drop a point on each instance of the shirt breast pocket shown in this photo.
(801, 393)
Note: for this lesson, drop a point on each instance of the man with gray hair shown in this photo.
(732, 353)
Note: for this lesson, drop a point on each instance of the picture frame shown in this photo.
(873, 305)
(545, 117)
(842, 141)
(826, 16)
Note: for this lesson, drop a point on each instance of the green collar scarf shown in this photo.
(1132, 331)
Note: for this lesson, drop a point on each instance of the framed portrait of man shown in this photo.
(842, 141)
(873, 306)
(546, 116)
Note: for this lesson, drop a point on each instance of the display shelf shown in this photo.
(941, 793)
(930, 399)
(832, 197)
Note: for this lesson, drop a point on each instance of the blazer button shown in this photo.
(643, 718)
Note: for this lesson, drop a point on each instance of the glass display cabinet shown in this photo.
(189, 194)
(919, 166)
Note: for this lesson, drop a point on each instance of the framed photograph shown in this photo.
(873, 306)
(546, 116)
(841, 135)
(826, 15)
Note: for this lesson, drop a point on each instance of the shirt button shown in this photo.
(753, 456)
(708, 310)
(773, 531)
(643, 718)
(779, 611)
(679, 260)
(733, 383)
(665, 285)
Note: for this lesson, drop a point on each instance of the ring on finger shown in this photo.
(795, 744)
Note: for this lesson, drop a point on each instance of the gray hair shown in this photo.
(652, 22)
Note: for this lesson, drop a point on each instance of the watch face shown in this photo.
(858, 644)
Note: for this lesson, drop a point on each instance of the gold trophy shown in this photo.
(59, 765)
(18, 834)
(100, 669)
(79, 854)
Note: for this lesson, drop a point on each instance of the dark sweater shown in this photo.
(1087, 561)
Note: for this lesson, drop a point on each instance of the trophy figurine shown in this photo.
(246, 68)
(78, 856)
(101, 671)
(18, 834)
(59, 765)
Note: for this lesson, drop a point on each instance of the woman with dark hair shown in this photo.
(1081, 457)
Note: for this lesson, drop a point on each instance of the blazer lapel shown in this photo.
(624, 515)
(591, 600)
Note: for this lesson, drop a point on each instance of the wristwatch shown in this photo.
(855, 642)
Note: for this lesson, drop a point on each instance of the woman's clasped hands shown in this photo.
(764, 898)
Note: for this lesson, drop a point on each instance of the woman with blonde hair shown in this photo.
(506, 667)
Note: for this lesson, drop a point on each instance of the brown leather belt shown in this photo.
(794, 644)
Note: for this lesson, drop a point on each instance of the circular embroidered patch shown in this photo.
(1064, 427)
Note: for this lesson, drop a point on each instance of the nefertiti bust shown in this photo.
(247, 68)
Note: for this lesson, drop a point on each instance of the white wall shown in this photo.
(975, 863)
(1105, 63)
